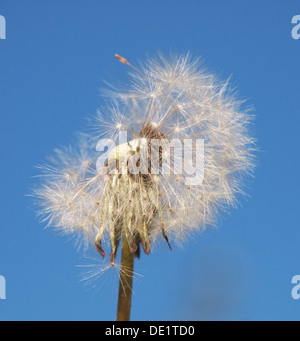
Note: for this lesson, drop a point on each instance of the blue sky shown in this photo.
(52, 65)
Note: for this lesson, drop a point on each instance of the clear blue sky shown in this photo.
(52, 64)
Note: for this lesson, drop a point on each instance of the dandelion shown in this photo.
(152, 185)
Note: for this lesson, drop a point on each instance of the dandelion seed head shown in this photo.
(167, 99)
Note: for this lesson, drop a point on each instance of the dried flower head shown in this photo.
(178, 121)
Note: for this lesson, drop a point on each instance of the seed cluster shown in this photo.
(167, 100)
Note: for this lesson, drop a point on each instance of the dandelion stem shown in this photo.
(126, 279)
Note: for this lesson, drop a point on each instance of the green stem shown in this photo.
(126, 279)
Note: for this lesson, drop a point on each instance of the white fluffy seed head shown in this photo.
(166, 100)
